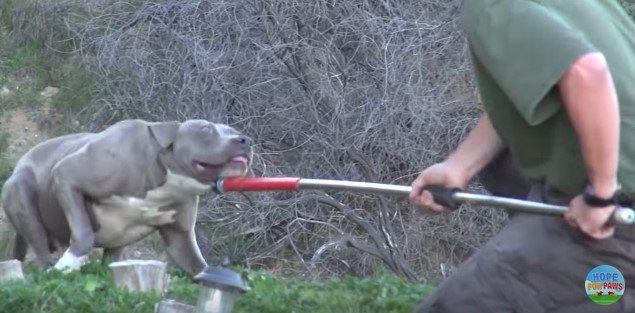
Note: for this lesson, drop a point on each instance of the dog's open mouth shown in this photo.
(239, 159)
(233, 161)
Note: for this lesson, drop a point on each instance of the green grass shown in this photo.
(26, 71)
(18, 70)
(6, 165)
(35, 52)
(87, 291)
(92, 290)
(21, 58)
(383, 293)
(604, 299)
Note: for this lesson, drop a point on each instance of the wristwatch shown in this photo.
(593, 200)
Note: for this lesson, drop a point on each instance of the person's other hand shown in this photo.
(591, 221)
(443, 174)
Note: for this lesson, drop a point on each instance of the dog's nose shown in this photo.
(242, 140)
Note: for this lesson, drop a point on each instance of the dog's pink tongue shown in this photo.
(239, 159)
(200, 167)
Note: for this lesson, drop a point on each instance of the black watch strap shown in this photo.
(594, 201)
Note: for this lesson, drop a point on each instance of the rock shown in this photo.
(11, 270)
(171, 306)
(49, 92)
(140, 275)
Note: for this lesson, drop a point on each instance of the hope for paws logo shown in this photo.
(605, 284)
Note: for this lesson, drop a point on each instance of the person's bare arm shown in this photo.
(478, 149)
(591, 103)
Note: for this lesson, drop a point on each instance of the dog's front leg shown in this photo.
(183, 249)
(71, 200)
(181, 240)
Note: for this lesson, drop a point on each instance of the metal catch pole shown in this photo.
(445, 196)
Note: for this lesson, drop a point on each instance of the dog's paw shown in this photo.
(70, 262)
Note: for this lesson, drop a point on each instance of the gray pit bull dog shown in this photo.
(113, 188)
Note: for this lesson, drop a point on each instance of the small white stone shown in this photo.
(11, 270)
(49, 91)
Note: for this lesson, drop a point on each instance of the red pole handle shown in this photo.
(257, 184)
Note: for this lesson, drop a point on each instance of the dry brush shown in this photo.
(358, 90)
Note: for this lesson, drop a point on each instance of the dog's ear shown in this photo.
(164, 132)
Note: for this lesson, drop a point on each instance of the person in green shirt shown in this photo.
(557, 82)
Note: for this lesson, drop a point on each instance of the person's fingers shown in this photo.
(610, 231)
(570, 218)
(580, 216)
(599, 233)
(423, 200)
(606, 230)
(426, 202)
(572, 223)
(429, 204)
(417, 187)
(418, 200)
(422, 197)
(435, 208)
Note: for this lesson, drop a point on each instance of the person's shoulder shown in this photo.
(474, 10)
(488, 7)
(496, 12)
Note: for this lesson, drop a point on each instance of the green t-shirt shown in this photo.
(521, 49)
